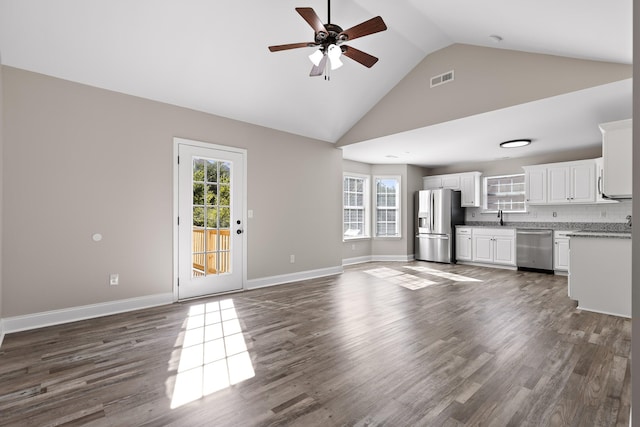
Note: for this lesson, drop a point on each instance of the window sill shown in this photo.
(387, 238)
(352, 239)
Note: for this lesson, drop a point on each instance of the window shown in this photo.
(387, 206)
(355, 206)
(504, 193)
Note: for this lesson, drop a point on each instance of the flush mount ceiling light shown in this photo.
(515, 143)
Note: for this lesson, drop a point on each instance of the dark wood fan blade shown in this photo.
(289, 46)
(318, 70)
(309, 15)
(359, 56)
(373, 25)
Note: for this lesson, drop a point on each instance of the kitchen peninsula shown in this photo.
(600, 272)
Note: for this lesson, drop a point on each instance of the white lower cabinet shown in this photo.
(560, 251)
(463, 244)
(494, 246)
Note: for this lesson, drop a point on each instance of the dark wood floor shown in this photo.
(358, 349)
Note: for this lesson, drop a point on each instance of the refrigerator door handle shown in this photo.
(433, 236)
(433, 223)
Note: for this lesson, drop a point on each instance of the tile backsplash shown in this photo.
(605, 212)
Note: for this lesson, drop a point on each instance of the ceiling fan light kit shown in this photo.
(329, 38)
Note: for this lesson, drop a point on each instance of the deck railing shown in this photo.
(212, 245)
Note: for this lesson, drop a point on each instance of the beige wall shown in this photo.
(80, 160)
(486, 79)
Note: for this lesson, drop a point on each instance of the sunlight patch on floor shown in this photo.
(396, 277)
(443, 274)
(213, 355)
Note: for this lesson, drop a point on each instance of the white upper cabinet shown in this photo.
(573, 183)
(561, 183)
(468, 183)
(470, 189)
(442, 181)
(617, 159)
(535, 182)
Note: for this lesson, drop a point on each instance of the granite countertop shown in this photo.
(618, 230)
(600, 234)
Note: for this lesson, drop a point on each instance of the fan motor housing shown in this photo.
(331, 36)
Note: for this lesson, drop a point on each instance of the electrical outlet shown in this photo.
(603, 214)
(292, 259)
(114, 279)
(353, 246)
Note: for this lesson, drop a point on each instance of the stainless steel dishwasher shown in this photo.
(534, 249)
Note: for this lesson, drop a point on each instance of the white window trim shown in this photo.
(366, 203)
(374, 210)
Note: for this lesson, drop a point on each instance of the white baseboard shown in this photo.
(392, 258)
(357, 260)
(292, 277)
(372, 258)
(627, 316)
(56, 317)
(481, 264)
(1, 331)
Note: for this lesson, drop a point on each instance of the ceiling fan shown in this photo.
(329, 38)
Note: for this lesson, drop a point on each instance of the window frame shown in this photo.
(397, 207)
(366, 205)
(521, 193)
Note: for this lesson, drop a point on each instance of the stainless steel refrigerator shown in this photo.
(437, 214)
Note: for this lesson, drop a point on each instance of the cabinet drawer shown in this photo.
(463, 231)
(509, 232)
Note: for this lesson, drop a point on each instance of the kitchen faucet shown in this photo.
(500, 216)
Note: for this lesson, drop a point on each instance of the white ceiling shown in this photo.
(212, 56)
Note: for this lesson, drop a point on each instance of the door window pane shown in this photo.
(211, 217)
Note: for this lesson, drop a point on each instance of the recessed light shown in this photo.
(515, 143)
(495, 38)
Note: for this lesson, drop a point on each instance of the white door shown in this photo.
(210, 209)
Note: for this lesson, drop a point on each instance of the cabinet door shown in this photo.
(559, 188)
(432, 182)
(617, 147)
(504, 250)
(482, 248)
(451, 181)
(536, 186)
(561, 254)
(463, 247)
(583, 183)
(470, 190)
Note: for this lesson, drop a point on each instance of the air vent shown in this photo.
(442, 79)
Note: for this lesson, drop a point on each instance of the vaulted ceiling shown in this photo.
(212, 56)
